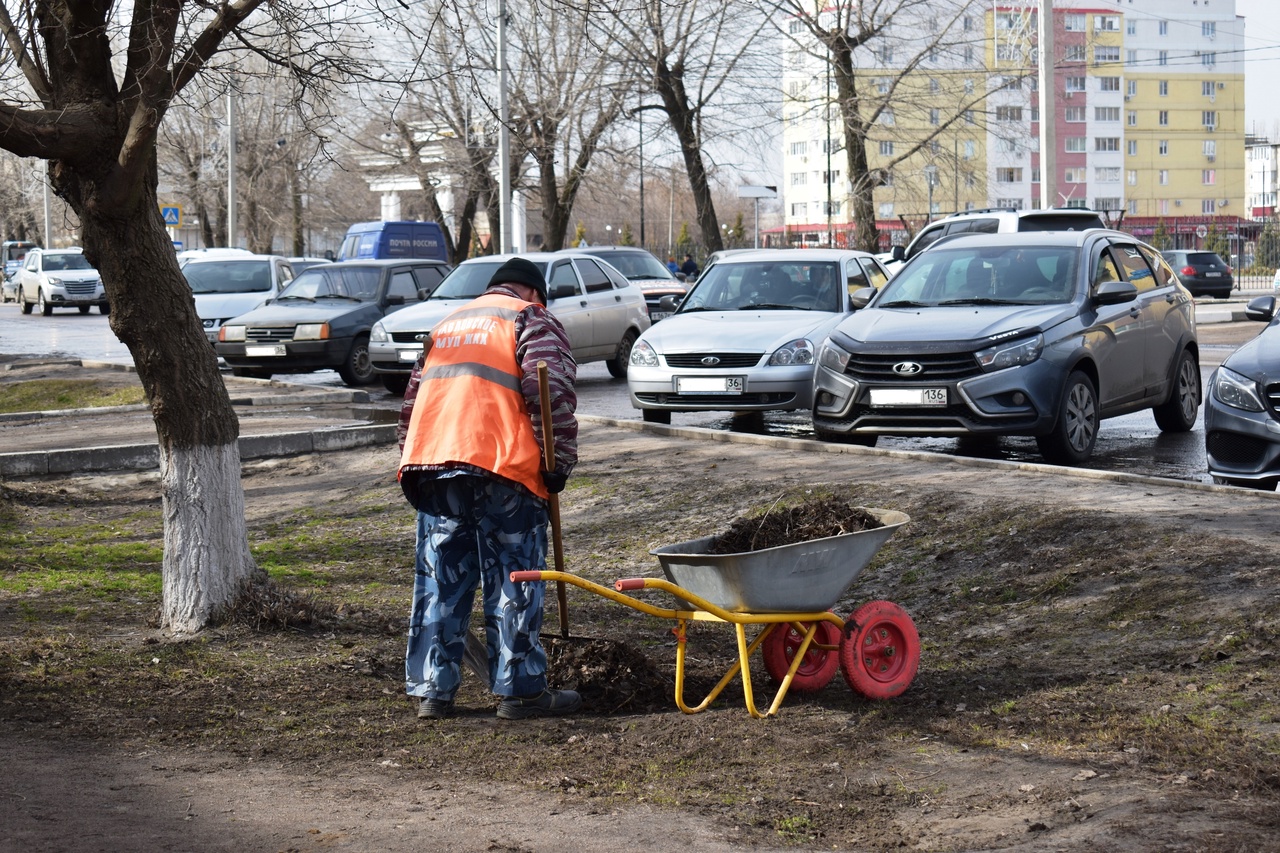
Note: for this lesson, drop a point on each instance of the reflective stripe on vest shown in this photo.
(470, 407)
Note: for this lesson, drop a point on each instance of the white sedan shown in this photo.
(745, 337)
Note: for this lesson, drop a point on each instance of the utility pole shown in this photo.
(1048, 160)
(231, 168)
(504, 136)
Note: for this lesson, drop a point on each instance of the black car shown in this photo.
(1202, 273)
(1242, 408)
(645, 271)
(322, 319)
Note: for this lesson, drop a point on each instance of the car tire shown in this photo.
(1178, 413)
(251, 372)
(846, 437)
(357, 369)
(618, 364)
(655, 416)
(45, 308)
(1257, 485)
(395, 383)
(26, 306)
(1076, 429)
(84, 309)
(104, 308)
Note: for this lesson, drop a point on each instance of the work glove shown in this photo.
(554, 481)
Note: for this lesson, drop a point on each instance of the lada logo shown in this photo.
(908, 368)
(710, 361)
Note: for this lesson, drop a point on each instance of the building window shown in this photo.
(1075, 84)
(793, 119)
(934, 86)
(1206, 88)
(1075, 204)
(1164, 202)
(1209, 59)
(1164, 118)
(888, 178)
(1074, 114)
(1008, 113)
(1008, 175)
(1133, 177)
(1133, 148)
(1106, 113)
(1130, 27)
(831, 208)
(1209, 118)
(1130, 57)
(1164, 88)
(1107, 174)
(1164, 147)
(934, 116)
(968, 54)
(798, 148)
(970, 149)
(1109, 84)
(1133, 207)
(1164, 28)
(1163, 58)
(1077, 144)
(1009, 203)
(885, 210)
(798, 209)
(968, 86)
(1075, 175)
(882, 85)
(1131, 88)
(1106, 53)
(886, 117)
(1207, 206)
(1210, 148)
(886, 148)
(933, 146)
(1132, 118)
(1164, 177)
(970, 180)
(798, 179)
(1107, 203)
(1106, 143)
(1106, 23)
(1073, 23)
(1208, 177)
(885, 54)
(1208, 29)
(968, 117)
(1074, 53)
(1008, 53)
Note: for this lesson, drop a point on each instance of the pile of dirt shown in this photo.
(611, 676)
(816, 519)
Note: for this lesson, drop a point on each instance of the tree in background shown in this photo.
(96, 83)
(1161, 239)
(1268, 247)
(625, 237)
(1217, 241)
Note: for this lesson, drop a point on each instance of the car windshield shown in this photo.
(72, 261)
(789, 285)
(228, 276)
(466, 281)
(332, 282)
(636, 266)
(1204, 259)
(989, 275)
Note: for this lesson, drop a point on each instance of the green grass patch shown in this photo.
(43, 395)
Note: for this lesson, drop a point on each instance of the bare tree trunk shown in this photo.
(206, 556)
(670, 88)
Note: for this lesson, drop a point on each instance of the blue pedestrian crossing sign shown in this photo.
(172, 216)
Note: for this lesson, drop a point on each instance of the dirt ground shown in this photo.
(1098, 671)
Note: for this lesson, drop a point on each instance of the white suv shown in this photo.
(59, 278)
(997, 221)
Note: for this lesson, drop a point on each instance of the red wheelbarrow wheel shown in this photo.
(879, 650)
(818, 666)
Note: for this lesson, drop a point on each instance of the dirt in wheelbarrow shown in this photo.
(1098, 671)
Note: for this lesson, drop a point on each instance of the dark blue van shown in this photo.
(378, 240)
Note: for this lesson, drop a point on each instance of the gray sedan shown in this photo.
(745, 338)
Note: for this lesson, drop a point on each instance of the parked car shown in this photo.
(1242, 407)
(403, 240)
(304, 263)
(1040, 335)
(1202, 273)
(745, 337)
(12, 253)
(229, 282)
(643, 270)
(996, 221)
(322, 319)
(60, 278)
(601, 311)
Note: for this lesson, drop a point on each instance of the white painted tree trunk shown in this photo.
(206, 546)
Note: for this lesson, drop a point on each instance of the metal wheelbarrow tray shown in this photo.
(788, 590)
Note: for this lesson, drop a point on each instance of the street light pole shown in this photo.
(640, 116)
(930, 177)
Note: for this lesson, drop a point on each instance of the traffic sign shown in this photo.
(172, 216)
(1202, 232)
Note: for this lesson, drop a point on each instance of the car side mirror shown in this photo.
(1115, 293)
(395, 300)
(561, 290)
(861, 297)
(899, 253)
(669, 303)
(1262, 308)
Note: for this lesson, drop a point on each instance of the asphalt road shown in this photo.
(1129, 444)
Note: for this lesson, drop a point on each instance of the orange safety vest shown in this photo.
(470, 407)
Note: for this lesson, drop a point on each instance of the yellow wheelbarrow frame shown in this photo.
(804, 623)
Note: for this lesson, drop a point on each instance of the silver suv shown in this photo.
(1040, 335)
(999, 221)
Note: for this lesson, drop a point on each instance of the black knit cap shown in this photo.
(521, 271)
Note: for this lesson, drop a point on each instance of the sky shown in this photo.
(1262, 66)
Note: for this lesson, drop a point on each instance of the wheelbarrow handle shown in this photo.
(625, 584)
(526, 577)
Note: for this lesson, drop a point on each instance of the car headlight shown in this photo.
(799, 351)
(643, 355)
(1011, 354)
(378, 334)
(833, 358)
(311, 332)
(1237, 391)
(231, 334)
(56, 281)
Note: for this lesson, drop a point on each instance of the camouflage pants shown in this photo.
(473, 531)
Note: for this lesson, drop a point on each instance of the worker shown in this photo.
(471, 463)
